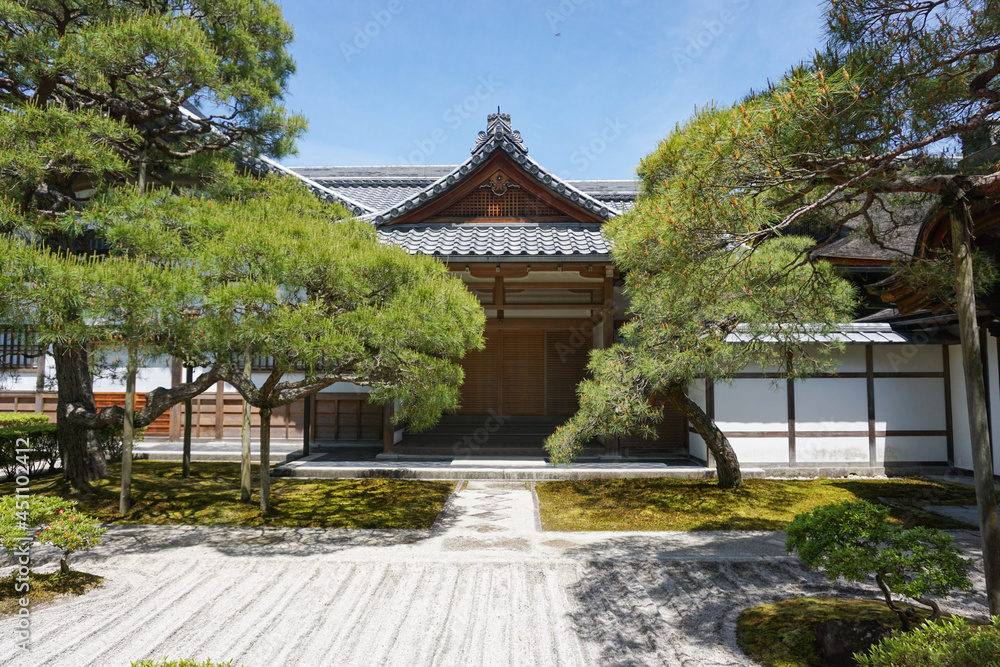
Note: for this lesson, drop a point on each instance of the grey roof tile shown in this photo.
(486, 239)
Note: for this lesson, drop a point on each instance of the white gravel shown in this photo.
(484, 587)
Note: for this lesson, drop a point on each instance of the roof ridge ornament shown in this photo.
(498, 126)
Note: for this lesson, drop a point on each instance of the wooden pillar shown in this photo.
(499, 295)
(220, 408)
(388, 435)
(175, 411)
(949, 423)
(790, 394)
(870, 390)
(608, 297)
(307, 424)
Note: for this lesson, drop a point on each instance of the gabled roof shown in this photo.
(384, 193)
(497, 140)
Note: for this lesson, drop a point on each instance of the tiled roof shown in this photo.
(493, 240)
(383, 193)
(857, 333)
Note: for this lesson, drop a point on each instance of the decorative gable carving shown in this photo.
(499, 197)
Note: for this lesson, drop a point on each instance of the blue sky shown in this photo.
(411, 81)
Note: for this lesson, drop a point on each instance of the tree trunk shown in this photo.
(186, 451)
(64, 564)
(975, 392)
(128, 431)
(265, 459)
(727, 465)
(246, 481)
(81, 455)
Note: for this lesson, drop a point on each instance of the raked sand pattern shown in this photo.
(485, 586)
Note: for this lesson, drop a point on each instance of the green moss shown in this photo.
(759, 504)
(44, 588)
(210, 497)
(783, 634)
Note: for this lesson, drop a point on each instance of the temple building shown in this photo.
(529, 246)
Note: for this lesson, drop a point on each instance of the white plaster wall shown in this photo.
(850, 360)
(960, 410)
(831, 450)
(760, 450)
(18, 381)
(831, 404)
(152, 373)
(993, 386)
(907, 358)
(751, 405)
(912, 449)
(696, 446)
(909, 404)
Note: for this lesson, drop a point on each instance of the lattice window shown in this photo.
(19, 349)
(516, 203)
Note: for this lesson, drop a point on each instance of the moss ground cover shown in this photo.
(210, 498)
(759, 504)
(45, 588)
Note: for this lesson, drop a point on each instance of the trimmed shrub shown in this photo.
(947, 643)
(855, 540)
(8, 419)
(50, 520)
(112, 444)
(44, 450)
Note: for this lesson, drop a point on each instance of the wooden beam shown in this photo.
(541, 323)
(540, 306)
(487, 270)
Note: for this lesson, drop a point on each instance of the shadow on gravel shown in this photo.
(672, 608)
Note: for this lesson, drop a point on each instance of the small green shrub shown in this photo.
(112, 443)
(855, 540)
(49, 520)
(948, 643)
(179, 663)
(8, 419)
(44, 448)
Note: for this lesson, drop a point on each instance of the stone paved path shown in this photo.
(484, 587)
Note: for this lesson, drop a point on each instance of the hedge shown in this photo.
(948, 643)
(44, 450)
(15, 419)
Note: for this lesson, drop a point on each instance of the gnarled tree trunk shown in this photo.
(727, 466)
(79, 449)
(265, 459)
(975, 391)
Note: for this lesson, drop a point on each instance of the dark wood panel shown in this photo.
(522, 369)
